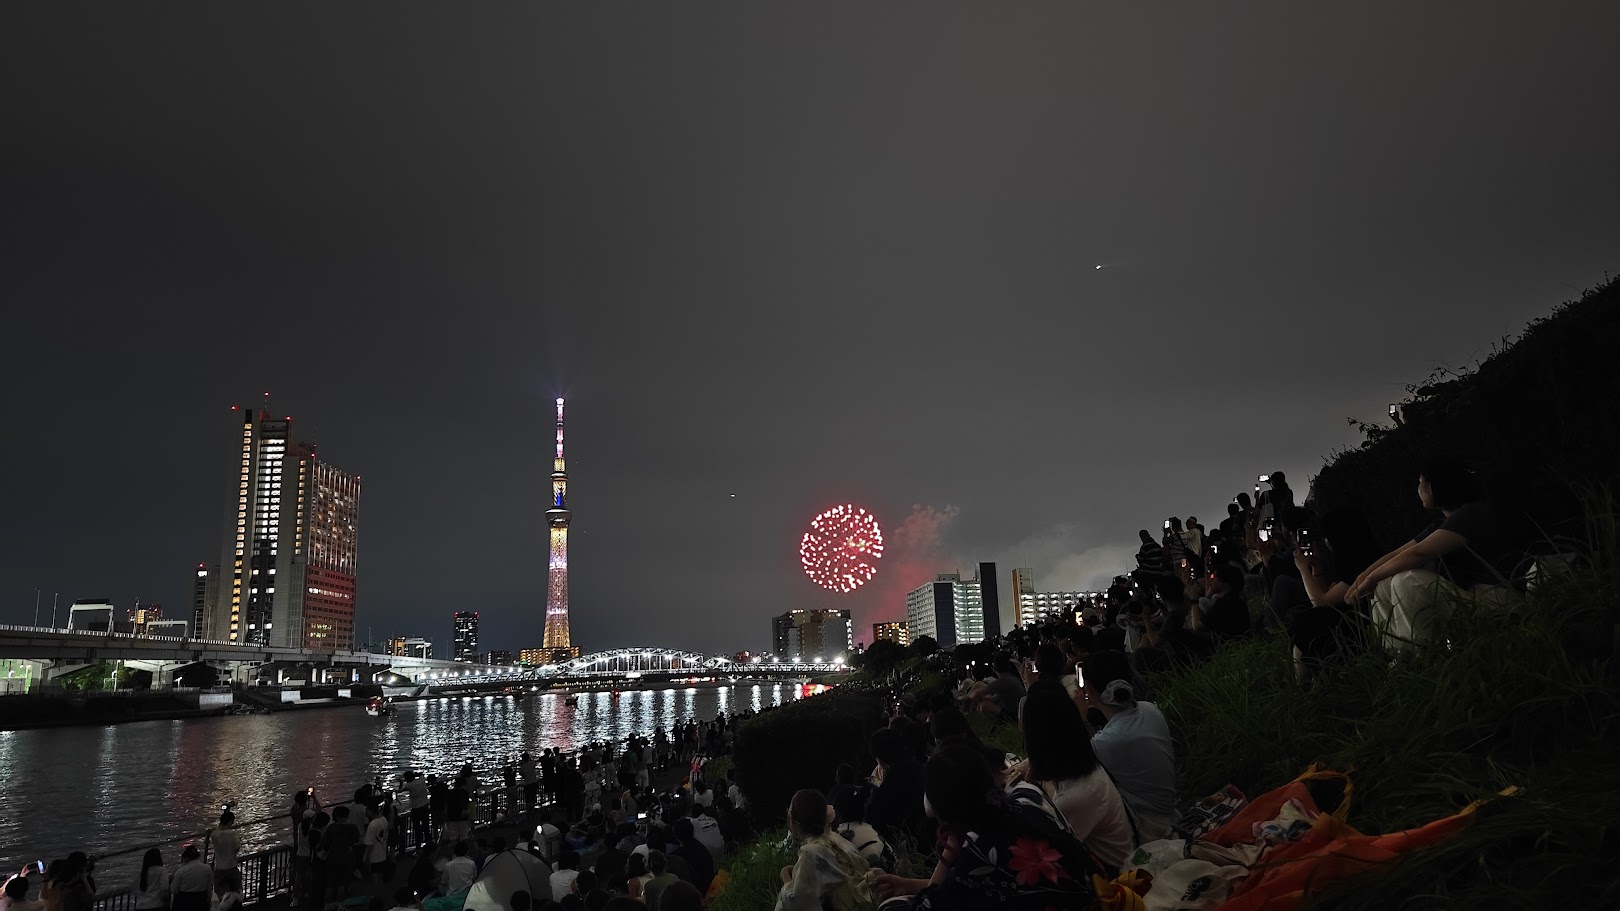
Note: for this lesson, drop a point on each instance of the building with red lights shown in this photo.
(288, 561)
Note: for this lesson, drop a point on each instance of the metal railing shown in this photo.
(268, 872)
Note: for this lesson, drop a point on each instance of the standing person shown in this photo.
(301, 861)
(314, 884)
(152, 886)
(376, 845)
(339, 844)
(416, 794)
(192, 887)
(438, 792)
(531, 782)
(230, 892)
(457, 817)
(227, 845)
(548, 774)
(509, 777)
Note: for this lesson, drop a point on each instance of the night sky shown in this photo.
(797, 253)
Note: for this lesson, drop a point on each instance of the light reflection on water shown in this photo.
(119, 786)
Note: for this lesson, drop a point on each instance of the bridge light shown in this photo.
(839, 660)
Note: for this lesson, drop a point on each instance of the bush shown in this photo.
(801, 745)
(753, 875)
(1527, 418)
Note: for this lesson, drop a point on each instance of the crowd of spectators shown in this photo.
(1096, 778)
(594, 819)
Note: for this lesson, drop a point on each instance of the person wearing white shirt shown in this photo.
(227, 845)
(375, 842)
(460, 872)
(562, 881)
(192, 886)
(152, 886)
(707, 832)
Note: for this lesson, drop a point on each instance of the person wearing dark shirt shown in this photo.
(457, 804)
(895, 804)
(340, 843)
(1329, 557)
(697, 857)
(1222, 611)
(1466, 557)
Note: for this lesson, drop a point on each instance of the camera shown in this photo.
(1394, 410)
(1303, 541)
(1265, 479)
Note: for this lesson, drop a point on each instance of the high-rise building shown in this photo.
(1023, 583)
(465, 642)
(500, 656)
(808, 635)
(951, 611)
(410, 647)
(990, 594)
(202, 594)
(534, 657)
(557, 518)
(894, 632)
(287, 568)
(1035, 608)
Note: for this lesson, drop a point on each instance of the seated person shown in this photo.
(849, 821)
(993, 853)
(1466, 556)
(1134, 744)
(1330, 557)
(895, 803)
(828, 873)
(1062, 764)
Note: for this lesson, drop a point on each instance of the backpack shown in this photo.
(886, 858)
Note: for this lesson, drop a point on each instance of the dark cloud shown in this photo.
(803, 254)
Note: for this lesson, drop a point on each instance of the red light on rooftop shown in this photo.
(236, 407)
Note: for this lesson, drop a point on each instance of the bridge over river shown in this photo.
(40, 655)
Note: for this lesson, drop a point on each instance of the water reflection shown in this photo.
(114, 787)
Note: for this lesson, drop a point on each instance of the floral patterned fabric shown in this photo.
(1024, 862)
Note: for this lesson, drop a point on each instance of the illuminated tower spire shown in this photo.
(557, 518)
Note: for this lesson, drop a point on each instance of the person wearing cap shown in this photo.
(1134, 745)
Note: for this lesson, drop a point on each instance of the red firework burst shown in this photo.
(840, 550)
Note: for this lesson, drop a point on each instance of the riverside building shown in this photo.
(288, 562)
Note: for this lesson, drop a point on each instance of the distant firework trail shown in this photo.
(841, 547)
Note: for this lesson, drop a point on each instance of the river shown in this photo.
(101, 789)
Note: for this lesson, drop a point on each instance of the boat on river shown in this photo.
(378, 706)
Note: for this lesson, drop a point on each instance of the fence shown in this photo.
(268, 873)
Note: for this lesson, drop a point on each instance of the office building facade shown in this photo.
(289, 560)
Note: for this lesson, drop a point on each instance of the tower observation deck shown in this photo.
(557, 519)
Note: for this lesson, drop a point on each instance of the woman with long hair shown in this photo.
(994, 852)
(1061, 763)
(152, 886)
